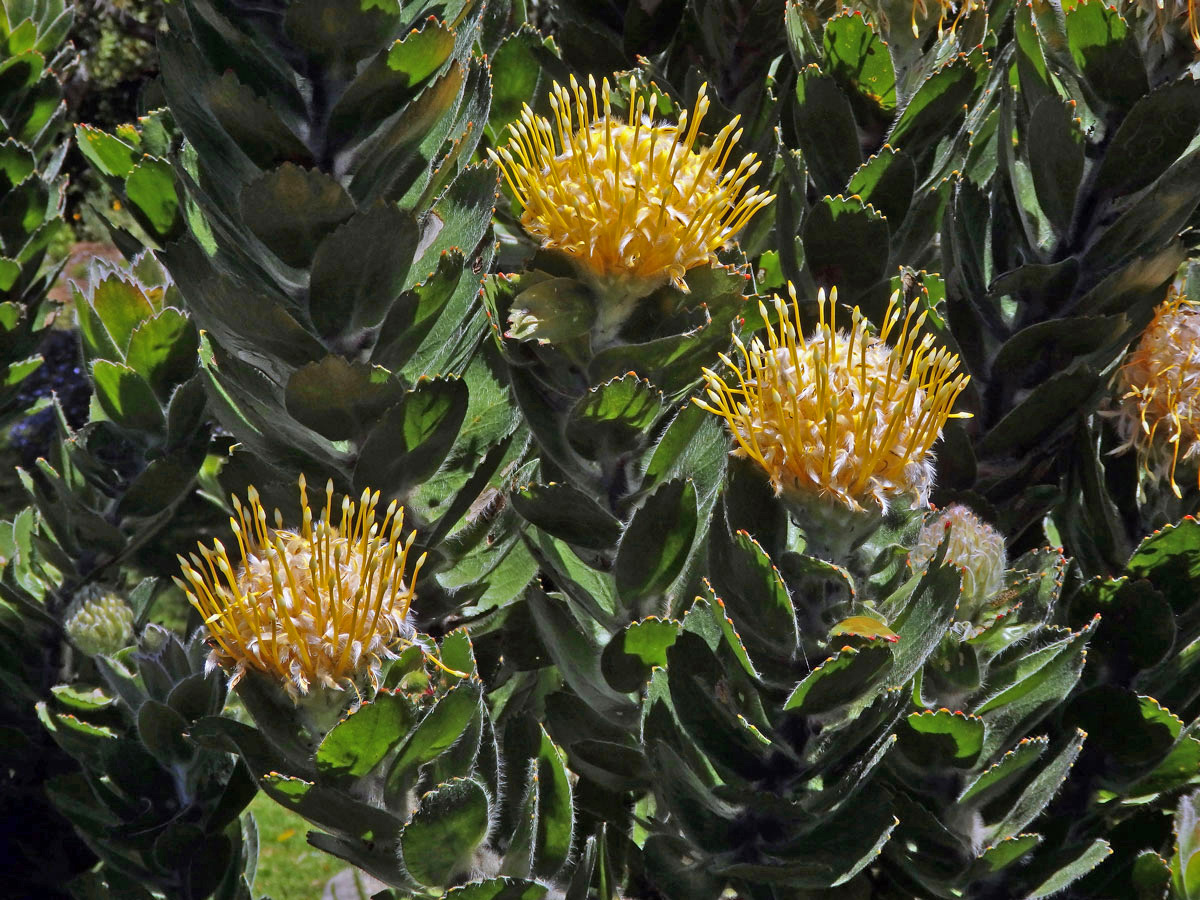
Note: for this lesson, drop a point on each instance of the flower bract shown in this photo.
(847, 416)
(321, 606)
(626, 198)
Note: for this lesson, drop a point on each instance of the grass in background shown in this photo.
(288, 868)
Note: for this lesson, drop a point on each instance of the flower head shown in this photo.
(626, 198)
(322, 606)
(842, 416)
(973, 545)
(1160, 408)
(103, 623)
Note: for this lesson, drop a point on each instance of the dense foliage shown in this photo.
(744, 449)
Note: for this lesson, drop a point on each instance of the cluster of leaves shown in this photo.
(648, 682)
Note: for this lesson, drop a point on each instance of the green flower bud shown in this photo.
(973, 546)
(102, 625)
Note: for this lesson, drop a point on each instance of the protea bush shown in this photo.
(625, 451)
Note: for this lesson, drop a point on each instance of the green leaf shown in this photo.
(825, 130)
(291, 210)
(394, 152)
(923, 620)
(413, 317)
(1137, 624)
(1034, 77)
(556, 818)
(150, 187)
(553, 311)
(1154, 219)
(704, 818)
(440, 839)
(670, 864)
(80, 700)
(578, 659)
(80, 739)
(613, 766)
(754, 593)
(1055, 145)
(341, 32)
(1185, 862)
(392, 79)
(886, 181)
(358, 743)
(1082, 861)
(1037, 795)
(121, 307)
(1006, 852)
(835, 230)
(108, 153)
(437, 731)
(162, 483)
(732, 639)
(458, 652)
(940, 738)
(1157, 129)
(162, 732)
(422, 51)
(253, 123)
(341, 400)
(522, 67)
(1170, 560)
(695, 445)
(351, 289)
(1180, 767)
(16, 163)
(858, 59)
(413, 437)
(569, 514)
(1050, 407)
(1151, 876)
(936, 107)
(656, 543)
(1105, 50)
(586, 587)
(1025, 689)
(163, 350)
(831, 855)
(845, 677)
(126, 397)
(1055, 343)
(631, 654)
(1003, 774)
(613, 417)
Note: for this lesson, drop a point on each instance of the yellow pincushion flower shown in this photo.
(847, 417)
(629, 200)
(1160, 409)
(319, 607)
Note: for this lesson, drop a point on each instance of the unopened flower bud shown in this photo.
(102, 625)
(972, 545)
